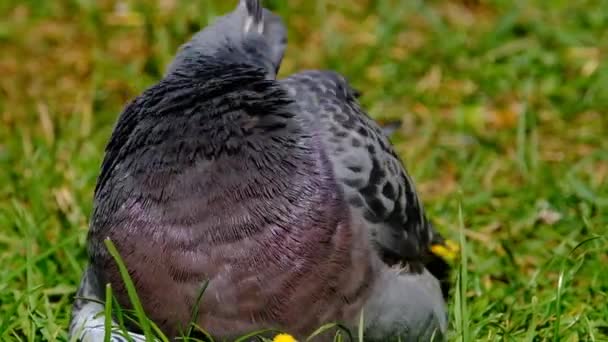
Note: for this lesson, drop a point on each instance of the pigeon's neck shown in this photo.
(227, 49)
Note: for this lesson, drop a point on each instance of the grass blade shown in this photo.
(247, 337)
(196, 307)
(560, 287)
(461, 311)
(126, 278)
(326, 327)
(361, 322)
(108, 314)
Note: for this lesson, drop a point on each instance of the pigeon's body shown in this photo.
(259, 214)
(283, 195)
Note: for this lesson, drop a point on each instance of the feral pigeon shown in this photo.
(283, 196)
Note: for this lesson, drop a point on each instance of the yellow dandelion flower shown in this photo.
(284, 338)
(448, 251)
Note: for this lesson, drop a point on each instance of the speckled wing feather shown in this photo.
(373, 178)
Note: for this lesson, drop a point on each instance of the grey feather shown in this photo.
(370, 172)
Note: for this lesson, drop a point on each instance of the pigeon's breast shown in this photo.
(284, 253)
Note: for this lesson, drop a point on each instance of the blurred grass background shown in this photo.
(503, 105)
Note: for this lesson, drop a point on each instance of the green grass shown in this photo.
(503, 104)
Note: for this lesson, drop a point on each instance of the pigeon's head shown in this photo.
(249, 34)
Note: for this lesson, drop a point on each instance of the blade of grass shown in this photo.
(361, 322)
(196, 307)
(522, 142)
(461, 311)
(589, 329)
(120, 318)
(159, 332)
(135, 320)
(327, 327)
(126, 278)
(532, 325)
(560, 288)
(108, 314)
(338, 336)
(11, 313)
(38, 258)
(256, 333)
(203, 331)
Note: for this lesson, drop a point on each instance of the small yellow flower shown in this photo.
(448, 251)
(284, 338)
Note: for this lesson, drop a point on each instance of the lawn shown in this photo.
(503, 107)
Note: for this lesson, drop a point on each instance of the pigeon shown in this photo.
(283, 196)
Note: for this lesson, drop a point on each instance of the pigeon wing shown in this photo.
(373, 178)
